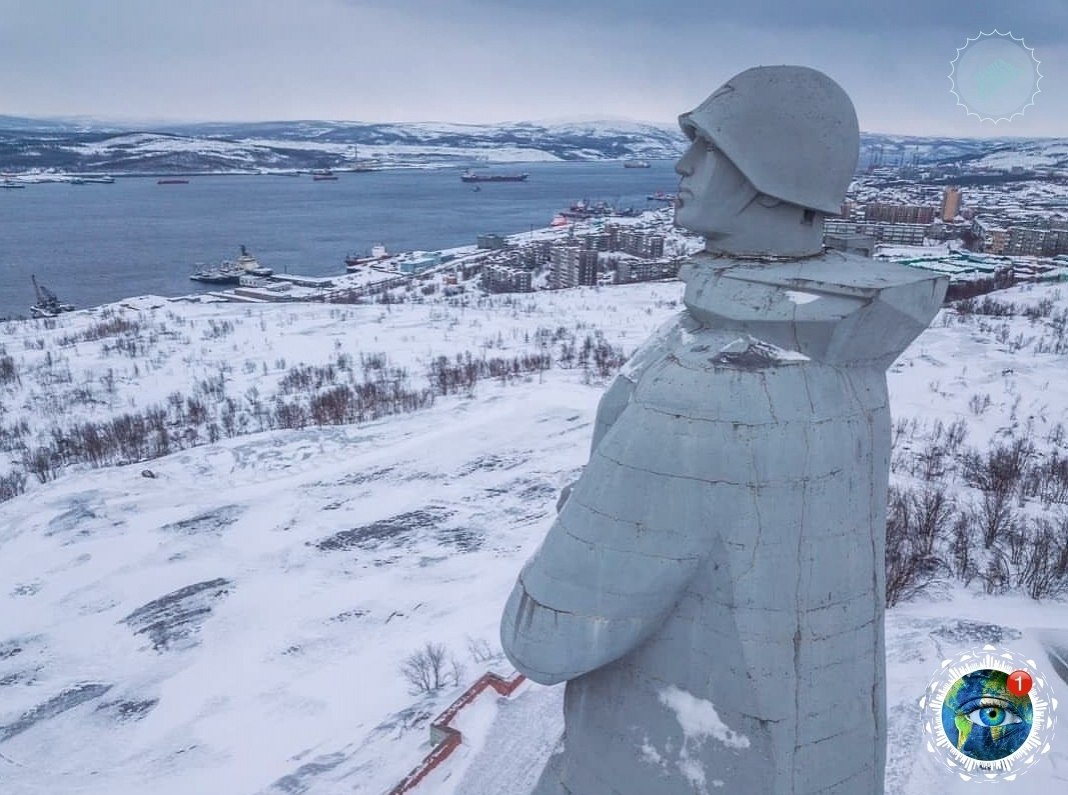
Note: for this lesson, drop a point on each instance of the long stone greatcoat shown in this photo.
(712, 589)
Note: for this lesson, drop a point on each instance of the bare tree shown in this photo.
(425, 669)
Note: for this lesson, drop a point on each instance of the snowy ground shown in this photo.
(236, 624)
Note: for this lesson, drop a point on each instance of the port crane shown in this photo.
(48, 305)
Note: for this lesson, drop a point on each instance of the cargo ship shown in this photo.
(355, 261)
(471, 176)
(170, 181)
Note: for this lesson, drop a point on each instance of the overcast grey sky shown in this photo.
(498, 60)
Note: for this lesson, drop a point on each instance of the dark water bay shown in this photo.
(96, 243)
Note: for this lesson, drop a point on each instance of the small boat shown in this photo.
(636, 164)
(103, 179)
(471, 176)
(660, 196)
(170, 181)
(378, 252)
(324, 175)
(10, 184)
(559, 220)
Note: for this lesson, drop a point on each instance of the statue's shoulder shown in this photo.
(665, 338)
(835, 273)
(835, 308)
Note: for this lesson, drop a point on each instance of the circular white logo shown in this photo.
(995, 76)
(989, 715)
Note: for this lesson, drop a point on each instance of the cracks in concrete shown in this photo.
(831, 475)
(767, 394)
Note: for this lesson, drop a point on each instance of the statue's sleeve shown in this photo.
(603, 579)
(617, 396)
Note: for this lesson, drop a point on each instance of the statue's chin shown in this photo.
(684, 219)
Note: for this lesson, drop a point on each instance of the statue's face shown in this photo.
(712, 191)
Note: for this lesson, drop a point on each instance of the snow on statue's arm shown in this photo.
(609, 570)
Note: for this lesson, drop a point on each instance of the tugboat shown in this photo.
(471, 176)
(47, 304)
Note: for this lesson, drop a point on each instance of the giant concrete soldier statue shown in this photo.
(712, 590)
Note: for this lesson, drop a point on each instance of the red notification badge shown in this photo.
(1020, 683)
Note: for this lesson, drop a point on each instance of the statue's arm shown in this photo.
(617, 396)
(595, 589)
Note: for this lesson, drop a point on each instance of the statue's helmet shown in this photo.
(791, 130)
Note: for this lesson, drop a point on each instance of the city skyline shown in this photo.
(476, 61)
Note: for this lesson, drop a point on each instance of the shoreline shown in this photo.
(38, 177)
(322, 288)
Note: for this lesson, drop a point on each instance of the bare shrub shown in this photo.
(1041, 564)
(956, 433)
(1047, 479)
(930, 463)
(12, 485)
(994, 516)
(962, 550)
(41, 463)
(933, 511)
(996, 574)
(911, 562)
(999, 475)
(978, 404)
(430, 669)
(112, 327)
(8, 372)
(480, 650)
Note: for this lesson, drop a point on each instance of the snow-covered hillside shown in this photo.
(232, 617)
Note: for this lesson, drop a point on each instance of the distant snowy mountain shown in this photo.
(999, 153)
(85, 146)
(218, 147)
